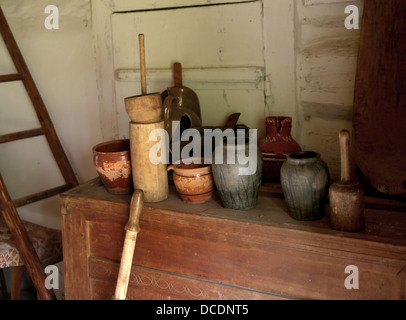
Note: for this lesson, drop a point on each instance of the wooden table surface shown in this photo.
(260, 253)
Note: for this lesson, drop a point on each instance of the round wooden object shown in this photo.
(147, 176)
(144, 108)
(346, 206)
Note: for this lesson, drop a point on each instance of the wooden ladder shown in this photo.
(9, 207)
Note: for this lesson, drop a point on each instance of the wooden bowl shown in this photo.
(144, 108)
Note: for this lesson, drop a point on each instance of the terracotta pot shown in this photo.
(194, 182)
(277, 144)
(112, 162)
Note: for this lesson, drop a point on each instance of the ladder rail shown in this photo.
(26, 248)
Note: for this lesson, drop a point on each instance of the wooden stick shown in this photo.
(344, 139)
(132, 228)
(142, 63)
(177, 74)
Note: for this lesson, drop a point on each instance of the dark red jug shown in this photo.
(276, 145)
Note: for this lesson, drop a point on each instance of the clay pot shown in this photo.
(276, 145)
(194, 182)
(237, 190)
(113, 165)
(305, 180)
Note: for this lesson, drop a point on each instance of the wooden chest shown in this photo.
(208, 252)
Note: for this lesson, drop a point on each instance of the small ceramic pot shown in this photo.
(113, 165)
(305, 180)
(237, 190)
(194, 182)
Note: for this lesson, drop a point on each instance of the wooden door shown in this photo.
(220, 48)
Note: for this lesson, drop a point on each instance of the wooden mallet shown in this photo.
(132, 228)
(347, 196)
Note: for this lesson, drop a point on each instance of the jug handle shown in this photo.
(167, 105)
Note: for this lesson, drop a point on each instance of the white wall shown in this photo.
(309, 64)
(326, 58)
(62, 64)
(305, 53)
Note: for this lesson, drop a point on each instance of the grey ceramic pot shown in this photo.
(237, 189)
(305, 179)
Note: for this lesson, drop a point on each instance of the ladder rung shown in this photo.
(10, 77)
(41, 195)
(21, 135)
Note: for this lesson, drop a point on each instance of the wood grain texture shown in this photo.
(259, 253)
(379, 117)
(149, 177)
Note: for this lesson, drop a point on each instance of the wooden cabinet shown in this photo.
(208, 252)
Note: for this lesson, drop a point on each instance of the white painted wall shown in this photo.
(306, 56)
(62, 64)
(326, 56)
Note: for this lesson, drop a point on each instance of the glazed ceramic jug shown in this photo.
(305, 179)
(237, 182)
(276, 145)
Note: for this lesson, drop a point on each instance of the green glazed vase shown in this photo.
(305, 180)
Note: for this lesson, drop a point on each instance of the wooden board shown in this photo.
(208, 252)
(379, 119)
